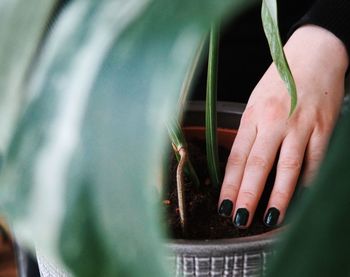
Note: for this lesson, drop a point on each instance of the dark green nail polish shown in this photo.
(226, 208)
(271, 217)
(241, 218)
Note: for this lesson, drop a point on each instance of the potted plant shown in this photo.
(240, 255)
(214, 254)
(63, 181)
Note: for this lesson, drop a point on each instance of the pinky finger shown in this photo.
(313, 156)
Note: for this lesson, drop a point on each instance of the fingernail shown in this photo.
(226, 208)
(241, 218)
(271, 217)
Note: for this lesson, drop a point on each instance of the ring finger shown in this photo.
(288, 170)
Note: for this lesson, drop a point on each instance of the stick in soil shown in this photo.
(181, 187)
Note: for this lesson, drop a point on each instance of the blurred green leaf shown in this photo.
(82, 168)
(22, 24)
(317, 243)
(270, 24)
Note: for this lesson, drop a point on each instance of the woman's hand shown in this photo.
(318, 61)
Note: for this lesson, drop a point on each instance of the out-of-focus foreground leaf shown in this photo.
(22, 24)
(317, 243)
(81, 172)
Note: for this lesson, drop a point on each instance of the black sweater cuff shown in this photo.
(333, 15)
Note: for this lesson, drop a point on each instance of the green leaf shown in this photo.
(210, 108)
(175, 134)
(191, 74)
(82, 169)
(270, 24)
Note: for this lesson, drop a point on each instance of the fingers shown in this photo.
(258, 166)
(314, 155)
(251, 159)
(235, 168)
(288, 170)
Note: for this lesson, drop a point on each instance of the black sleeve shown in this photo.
(333, 15)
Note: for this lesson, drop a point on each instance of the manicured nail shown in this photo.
(241, 218)
(271, 217)
(226, 208)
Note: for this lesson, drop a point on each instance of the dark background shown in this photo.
(244, 55)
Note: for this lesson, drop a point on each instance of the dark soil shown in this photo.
(204, 222)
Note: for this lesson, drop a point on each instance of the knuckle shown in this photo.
(275, 110)
(308, 177)
(229, 189)
(311, 115)
(324, 122)
(311, 170)
(247, 115)
(246, 194)
(289, 163)
(324, 128)
(315, 157)
(236, 160)
(257, 161)
(282, 197)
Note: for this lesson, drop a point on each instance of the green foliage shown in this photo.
(270, 24)
(210, 108)
(80, 174)
(191, 76)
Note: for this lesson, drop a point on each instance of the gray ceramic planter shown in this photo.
(245, 256)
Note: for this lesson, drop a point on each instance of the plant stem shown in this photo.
(178, 139)
(210, 110)
(181, 187)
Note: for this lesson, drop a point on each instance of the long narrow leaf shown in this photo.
(210, 110)
(270, 24)
(191, 76)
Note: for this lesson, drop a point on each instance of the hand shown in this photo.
(318, 61)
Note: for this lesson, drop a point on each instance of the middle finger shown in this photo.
(258, 167)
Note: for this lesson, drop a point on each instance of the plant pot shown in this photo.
(245, 256)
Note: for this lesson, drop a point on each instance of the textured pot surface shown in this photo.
(246, 256)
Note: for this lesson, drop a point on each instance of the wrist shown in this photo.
(315, 48)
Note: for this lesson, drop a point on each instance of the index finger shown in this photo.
(235, 167)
